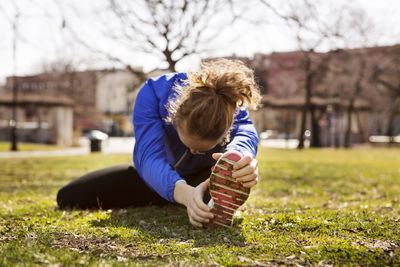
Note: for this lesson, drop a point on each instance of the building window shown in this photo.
(30, 113)
(25, 86)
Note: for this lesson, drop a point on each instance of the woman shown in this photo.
(183, 123)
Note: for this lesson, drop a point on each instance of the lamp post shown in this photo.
(14, 120)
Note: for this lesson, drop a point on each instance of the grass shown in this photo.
(5, 146)
(312, 207)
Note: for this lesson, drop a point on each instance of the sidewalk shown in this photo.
(113, 145)
(280, 143)
(50, 153)
(118, 145)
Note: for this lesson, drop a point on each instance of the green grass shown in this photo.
(312, 207)
(5, 146)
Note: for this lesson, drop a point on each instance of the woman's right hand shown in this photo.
(192, 198)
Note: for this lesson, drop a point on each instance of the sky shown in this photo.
(43, 40)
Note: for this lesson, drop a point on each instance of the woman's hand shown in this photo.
(245, 170)
(192, 198)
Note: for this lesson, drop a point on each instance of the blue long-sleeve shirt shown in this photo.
(160, 157)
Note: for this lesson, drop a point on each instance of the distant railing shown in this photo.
(382, 139)
(31, 125)
(29, 133)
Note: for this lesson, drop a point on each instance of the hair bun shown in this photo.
(231, 80)
(207, 103)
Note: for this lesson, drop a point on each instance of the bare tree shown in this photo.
(304, 19)
(347, 80)
(170, 30)
(359, 29)
(316, 25)
(357, 89)
(14, 21)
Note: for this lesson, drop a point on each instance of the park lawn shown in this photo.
(5, 146)
(312, 207)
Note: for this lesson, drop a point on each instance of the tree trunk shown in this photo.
(139, 74)
(390, 128)
(171, 62)
(350, 109)
(306, 107)
(315, 130)
(337, 134)
(14, 121)
(302, 128)
(347, 137)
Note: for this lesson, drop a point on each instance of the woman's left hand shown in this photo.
(245, 170)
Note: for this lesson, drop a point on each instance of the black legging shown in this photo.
(116, 187)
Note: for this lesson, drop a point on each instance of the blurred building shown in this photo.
(41, 119)
(350, 91)
(97, 99)
(80, 87)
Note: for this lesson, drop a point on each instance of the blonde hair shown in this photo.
(207, 102)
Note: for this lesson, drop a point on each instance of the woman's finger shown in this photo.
(194, 223)
(198, 215)
(250, 184)
(244, 171)
(201, 209)
(216, 156)
(247, 178)
(200, 219)
(198, 196)
(244, 161)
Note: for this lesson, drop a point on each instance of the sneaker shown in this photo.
(227, 195)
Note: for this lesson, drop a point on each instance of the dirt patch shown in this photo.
(387, 246)
(106, 247)
(99, 246)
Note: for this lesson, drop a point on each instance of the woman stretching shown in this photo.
(195, 145)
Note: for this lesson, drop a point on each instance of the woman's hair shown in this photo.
(206, 104)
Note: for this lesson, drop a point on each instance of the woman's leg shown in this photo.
(113, 187)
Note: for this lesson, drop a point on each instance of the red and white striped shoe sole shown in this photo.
(227, 195)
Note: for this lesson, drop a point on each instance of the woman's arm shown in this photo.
(150, 153)
(150, 156)
(244, 139)
(244, 136)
